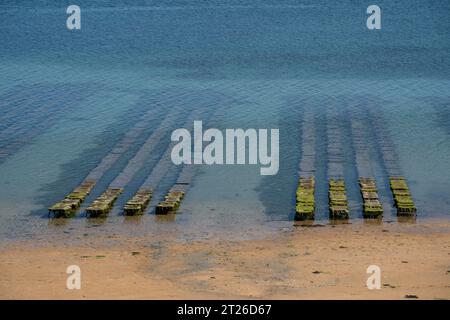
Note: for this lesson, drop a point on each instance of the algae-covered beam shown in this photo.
(72, 201)
(138, 203)
(305, 202)
(372, 207)
(171, 202)
(103, 204)
(402, 197)
(338, 202)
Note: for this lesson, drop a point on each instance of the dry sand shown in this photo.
(300, 263)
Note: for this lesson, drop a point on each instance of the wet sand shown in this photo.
(322, 262)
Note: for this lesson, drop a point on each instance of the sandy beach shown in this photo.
(164, 150)
(321, 262)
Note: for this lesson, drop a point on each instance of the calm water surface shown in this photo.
(67, 98)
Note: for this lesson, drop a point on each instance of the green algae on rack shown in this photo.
(171, 202)
(72, 201)
(304, 196)
(402, 197)
(337, 199)
(371, 203)
(103, 204)
(138, 203)
(305, 203)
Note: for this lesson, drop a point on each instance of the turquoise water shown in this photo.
(68, 97)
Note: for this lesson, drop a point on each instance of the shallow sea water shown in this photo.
(66, 99)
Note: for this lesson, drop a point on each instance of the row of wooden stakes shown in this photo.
(104, 203)
(338, 202)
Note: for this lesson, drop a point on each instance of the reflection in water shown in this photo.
(132, 219)
(338, 222)
(407, 219)
(374, 221)
(96, 221)
(163, 218)
(58, 222)
(305, 223)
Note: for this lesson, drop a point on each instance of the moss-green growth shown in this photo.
(369, 195)
(371, 204)
(302, 208)
(404, 200)
(341, 203)
(337, 196)
(372, 212)
(398, 184)
(336, 183)
(402, 197)
(339, 212)
(103, 204)
(367, 184)
(305, 198)
(72, 201)
(338, 203)
(396, 192)
(305, 202)
(77, 195)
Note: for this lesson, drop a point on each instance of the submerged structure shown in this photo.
(305, 202)
(402, 197)
(337, 199)
(138, 203)
(171, 202)
(371, 203)
(103, 204)
(72, 201)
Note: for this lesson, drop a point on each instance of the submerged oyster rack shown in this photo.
(103, 204)
(72, 201)
(305, 202)
(337, 199)
(338, 202)
(402, 197)
(171, 202)
(138, 203)
(371, 202)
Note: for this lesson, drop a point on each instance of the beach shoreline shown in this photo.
(322, 262)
